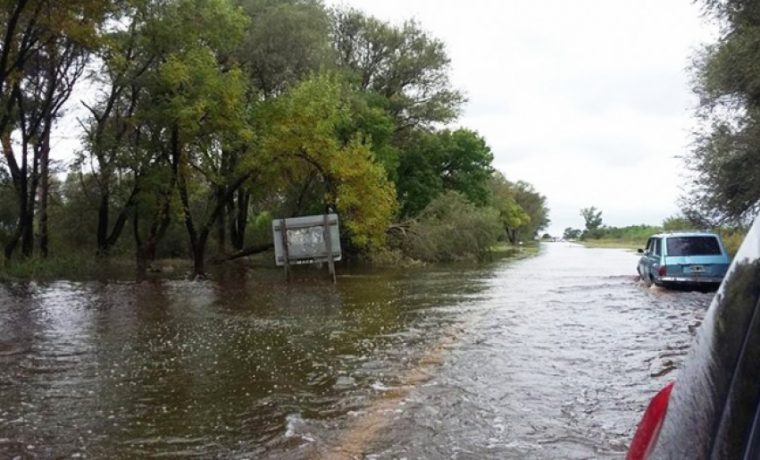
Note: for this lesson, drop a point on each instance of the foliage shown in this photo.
(725, 157)
(592, 217)
(678, 223)
(534, 205)
(451, 228)
(208, 118)
(629, 233)
(445, 160)
(284, 41)
(303, 135)
(403, 64)
(572, 233)
(732, 239)
(503, 198)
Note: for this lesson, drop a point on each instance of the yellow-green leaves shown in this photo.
(365, 197)
(302, 136)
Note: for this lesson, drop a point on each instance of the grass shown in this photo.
(84, 267)
(613, 243)
(80, 267)
(73, 267)
(517, 252)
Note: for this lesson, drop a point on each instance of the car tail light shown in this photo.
(662, 271)
(649, 428)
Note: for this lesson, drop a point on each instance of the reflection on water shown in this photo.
(554, 355)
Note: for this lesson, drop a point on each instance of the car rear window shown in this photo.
(693, 246)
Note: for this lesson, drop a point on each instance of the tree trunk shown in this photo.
(141, 258)
(239, 219)
(197, 248)
(44, 192)
(221, 223)
(199, 257)
(29, 189)
(102, 232)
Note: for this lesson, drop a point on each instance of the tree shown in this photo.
(511, 215)
(676, 223)
(593, 220)
(128, 54)
(592, 217)
(284, 41)
(302, 140)
(445, 160)
(571, 233)
(44, 51)
(172, 106)
(198, 102)
(725, 156)
(534, 205)
(403, 64)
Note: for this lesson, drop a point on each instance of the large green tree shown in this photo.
(303, 141)
(284, 42)
(503, 198)
(726, 155)
(444, 160)
(534, 205)
(404, 64)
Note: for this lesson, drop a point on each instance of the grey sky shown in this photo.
(589, 100)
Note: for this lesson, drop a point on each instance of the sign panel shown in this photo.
(306, 240)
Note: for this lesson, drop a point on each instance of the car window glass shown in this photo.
(693, 246)
(657, 246)
(649, 245)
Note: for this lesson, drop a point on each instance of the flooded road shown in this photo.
(549, 357)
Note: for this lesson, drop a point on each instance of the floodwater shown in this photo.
(553, 356)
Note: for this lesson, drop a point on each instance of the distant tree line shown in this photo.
(595, 229)
(639, 234)
(207, 118)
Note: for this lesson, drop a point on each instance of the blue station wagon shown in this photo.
(688, 259)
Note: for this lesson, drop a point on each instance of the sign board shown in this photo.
(306, 240)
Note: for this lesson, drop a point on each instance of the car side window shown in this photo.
(657, 246)
(649, 246)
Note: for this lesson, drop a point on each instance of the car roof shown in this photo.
(681, 234)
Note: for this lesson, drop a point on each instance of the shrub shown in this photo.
(450, 229)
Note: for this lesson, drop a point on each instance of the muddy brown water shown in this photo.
(549, 357)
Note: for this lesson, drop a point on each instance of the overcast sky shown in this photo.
(588, 100)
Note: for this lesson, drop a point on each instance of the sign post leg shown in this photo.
(284, 235)
(327, 235)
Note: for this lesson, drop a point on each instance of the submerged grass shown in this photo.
(59, 267)
(518, 252)
(80, 267)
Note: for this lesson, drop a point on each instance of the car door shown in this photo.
(644, 260)
(655, 256)
(651, 258)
